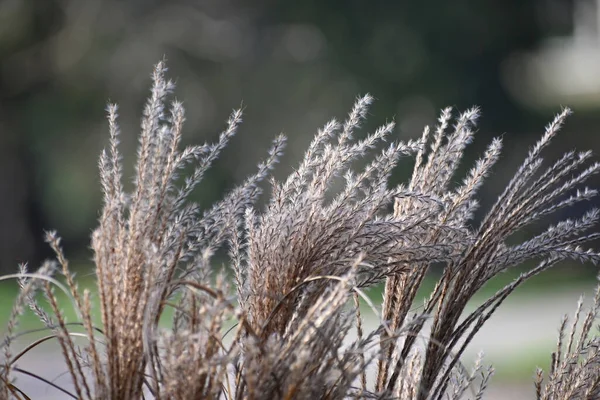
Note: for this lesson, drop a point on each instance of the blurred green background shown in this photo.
(293, 65)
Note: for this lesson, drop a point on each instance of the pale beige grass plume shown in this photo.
(299, 266)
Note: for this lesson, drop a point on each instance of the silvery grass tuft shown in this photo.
(299, 266)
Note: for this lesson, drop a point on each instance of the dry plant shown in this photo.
(299, 268)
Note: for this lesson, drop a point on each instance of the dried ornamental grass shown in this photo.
(300, 265)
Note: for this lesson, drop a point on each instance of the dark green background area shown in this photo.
(292, 65)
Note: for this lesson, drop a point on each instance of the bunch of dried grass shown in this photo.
(300, 262)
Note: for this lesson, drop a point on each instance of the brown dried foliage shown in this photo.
(299, 266)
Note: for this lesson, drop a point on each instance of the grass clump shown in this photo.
(300, 265)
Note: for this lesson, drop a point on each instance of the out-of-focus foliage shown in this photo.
(291, 63)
